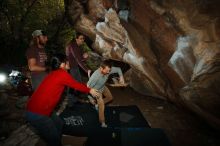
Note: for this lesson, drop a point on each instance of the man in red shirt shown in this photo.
(43, 101)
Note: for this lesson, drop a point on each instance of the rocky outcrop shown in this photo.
(23, 136)
(171, 46)
(196, 58)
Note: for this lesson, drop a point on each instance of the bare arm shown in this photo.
(121, 80)
(32, 64)
(119, 72)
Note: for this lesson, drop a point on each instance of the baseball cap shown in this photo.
(38, 33)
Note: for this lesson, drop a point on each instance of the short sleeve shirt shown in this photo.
(38, 53)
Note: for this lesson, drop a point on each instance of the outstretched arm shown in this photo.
(119, 72)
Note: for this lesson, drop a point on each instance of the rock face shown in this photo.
(23, 136)
(173, 48)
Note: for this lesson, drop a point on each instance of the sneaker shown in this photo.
(103, 125)
(96, 107)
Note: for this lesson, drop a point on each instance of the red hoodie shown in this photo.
(47, 95)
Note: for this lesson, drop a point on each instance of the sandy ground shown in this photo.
(182, 127)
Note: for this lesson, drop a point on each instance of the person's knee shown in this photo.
(110, 98)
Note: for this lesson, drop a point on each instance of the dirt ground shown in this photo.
(182, 127)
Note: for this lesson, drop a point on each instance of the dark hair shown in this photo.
(106, 63)
(43, 33)
(56, 60)
(79, 34)
(111, 1)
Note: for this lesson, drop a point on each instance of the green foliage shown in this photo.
(85, 48)
(67, 35)
(19, 18)
(59, 38)
(91, 64)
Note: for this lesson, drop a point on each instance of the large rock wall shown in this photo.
(172, 47)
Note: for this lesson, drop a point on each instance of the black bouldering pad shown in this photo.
(125, 117)
(79, 120)
(82, 119)
(128, 137)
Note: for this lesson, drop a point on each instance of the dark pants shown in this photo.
(48, 128)
(71, 93)
(36, 79)
(74, 71)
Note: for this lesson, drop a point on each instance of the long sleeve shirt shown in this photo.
(75, 56)
(98, 80)
(45, 98)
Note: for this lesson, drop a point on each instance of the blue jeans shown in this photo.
(48, 128)
(71, 93)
